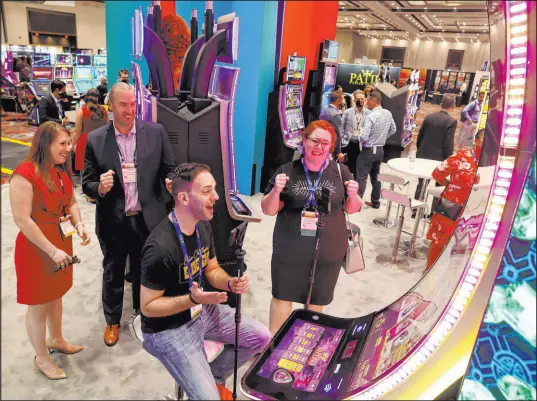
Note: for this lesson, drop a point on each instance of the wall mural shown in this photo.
(502, 366)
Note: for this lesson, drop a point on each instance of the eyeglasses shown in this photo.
(316, 142)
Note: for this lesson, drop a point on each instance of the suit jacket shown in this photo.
(331, 114)
(48, 111)
(436, 136)
(154, 161)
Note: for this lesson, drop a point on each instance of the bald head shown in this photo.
(119, 87)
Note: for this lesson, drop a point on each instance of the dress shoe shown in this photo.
(111, 334)
(51, 374)
(371, 204)
(65, 348)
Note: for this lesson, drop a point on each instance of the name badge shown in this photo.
(308, 223)
(195, 311)
(66, 226)
(129, 173)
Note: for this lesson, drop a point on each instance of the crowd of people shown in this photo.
(156, 215)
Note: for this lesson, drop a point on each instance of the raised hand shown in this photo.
(280, 182)
(106, 182)
(352, 187)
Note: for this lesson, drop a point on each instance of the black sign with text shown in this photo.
(356, 76)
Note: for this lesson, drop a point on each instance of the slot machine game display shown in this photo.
(484, 88)
(99, 69)
(83, 73)
(412, 106)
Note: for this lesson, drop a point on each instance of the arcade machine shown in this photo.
(42, 72)
(201, 128)
(321, 82)
(83, 73)
(395, 100)
(64, 71)
(9, 85)
(420, 345)
(99, 69)
(285, 121)
(411, 107)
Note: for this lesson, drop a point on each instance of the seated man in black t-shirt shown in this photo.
(177, 314)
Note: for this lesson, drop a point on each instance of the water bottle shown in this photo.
(412, 158)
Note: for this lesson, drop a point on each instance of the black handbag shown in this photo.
(447, 208)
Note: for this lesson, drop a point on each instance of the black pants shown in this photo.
(128, 240)
(368, 163)
(352, 150)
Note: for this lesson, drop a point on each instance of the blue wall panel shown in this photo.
(118, 16)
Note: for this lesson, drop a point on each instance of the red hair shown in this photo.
(324, 125)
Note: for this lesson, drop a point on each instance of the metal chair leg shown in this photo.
(385, 221)
(391, 260)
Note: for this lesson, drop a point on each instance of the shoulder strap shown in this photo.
(349, 225)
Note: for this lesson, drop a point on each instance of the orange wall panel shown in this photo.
(306, 24)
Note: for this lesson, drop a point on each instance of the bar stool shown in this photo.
(393, 180)
(212, 350)
(404, 202)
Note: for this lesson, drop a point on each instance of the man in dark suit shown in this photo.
(333, 116)
(126, 164)
(50, 108)
(437, 135)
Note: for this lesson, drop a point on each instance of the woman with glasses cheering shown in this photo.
(293, 194)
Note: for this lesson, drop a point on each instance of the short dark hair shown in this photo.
(375, 95)
(186, 173)
(56, 84)
(448, 102)
(123, 71)
(335, 96)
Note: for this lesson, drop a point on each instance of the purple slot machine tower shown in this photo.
(199, 116)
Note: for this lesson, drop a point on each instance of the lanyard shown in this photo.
(312, 187)
(185, 252)
(123, 159)
(63, 191)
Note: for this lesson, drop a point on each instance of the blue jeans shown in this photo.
(182, 353)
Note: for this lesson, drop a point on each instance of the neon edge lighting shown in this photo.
(517, 38)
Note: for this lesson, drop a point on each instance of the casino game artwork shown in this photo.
(176, 38)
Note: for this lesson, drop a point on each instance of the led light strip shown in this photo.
(516, 68)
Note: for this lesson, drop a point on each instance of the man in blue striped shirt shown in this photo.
(378, 127)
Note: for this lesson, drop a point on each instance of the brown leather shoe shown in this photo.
(111, 334)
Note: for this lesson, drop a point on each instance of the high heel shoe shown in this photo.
(58, 376)
(69, 350)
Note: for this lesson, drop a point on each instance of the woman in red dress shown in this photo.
(41, 197)
(461, 168)
(88, 118)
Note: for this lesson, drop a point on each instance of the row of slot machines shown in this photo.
(80, 72)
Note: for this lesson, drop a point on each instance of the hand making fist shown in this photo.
(206, 298)
(239, 285)
(280, 182)
(352, 187)
(107, 181)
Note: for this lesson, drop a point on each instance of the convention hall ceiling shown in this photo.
(453, 21)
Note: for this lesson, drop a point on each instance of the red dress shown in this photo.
(461, 168)
(88, 124)
(37, 283)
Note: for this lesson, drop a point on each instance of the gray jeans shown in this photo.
(182, 353)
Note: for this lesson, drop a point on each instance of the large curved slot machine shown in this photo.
(420, 346)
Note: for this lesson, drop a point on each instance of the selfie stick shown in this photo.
(236, 239)
(324, 207)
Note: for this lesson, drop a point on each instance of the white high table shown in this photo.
(420, 168)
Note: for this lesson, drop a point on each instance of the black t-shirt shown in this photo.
(164, 268)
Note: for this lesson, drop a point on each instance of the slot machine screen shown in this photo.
(83, 59)
(42, 87)
(63, 72)
(84, 86)
(70, 87)
(99, 60)
(296, 68)
(295, 120)
(42, 73)
(294, 96)
(99, 72)
(83, 73)
(302, 356)
(42, 60)
(63, 59)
